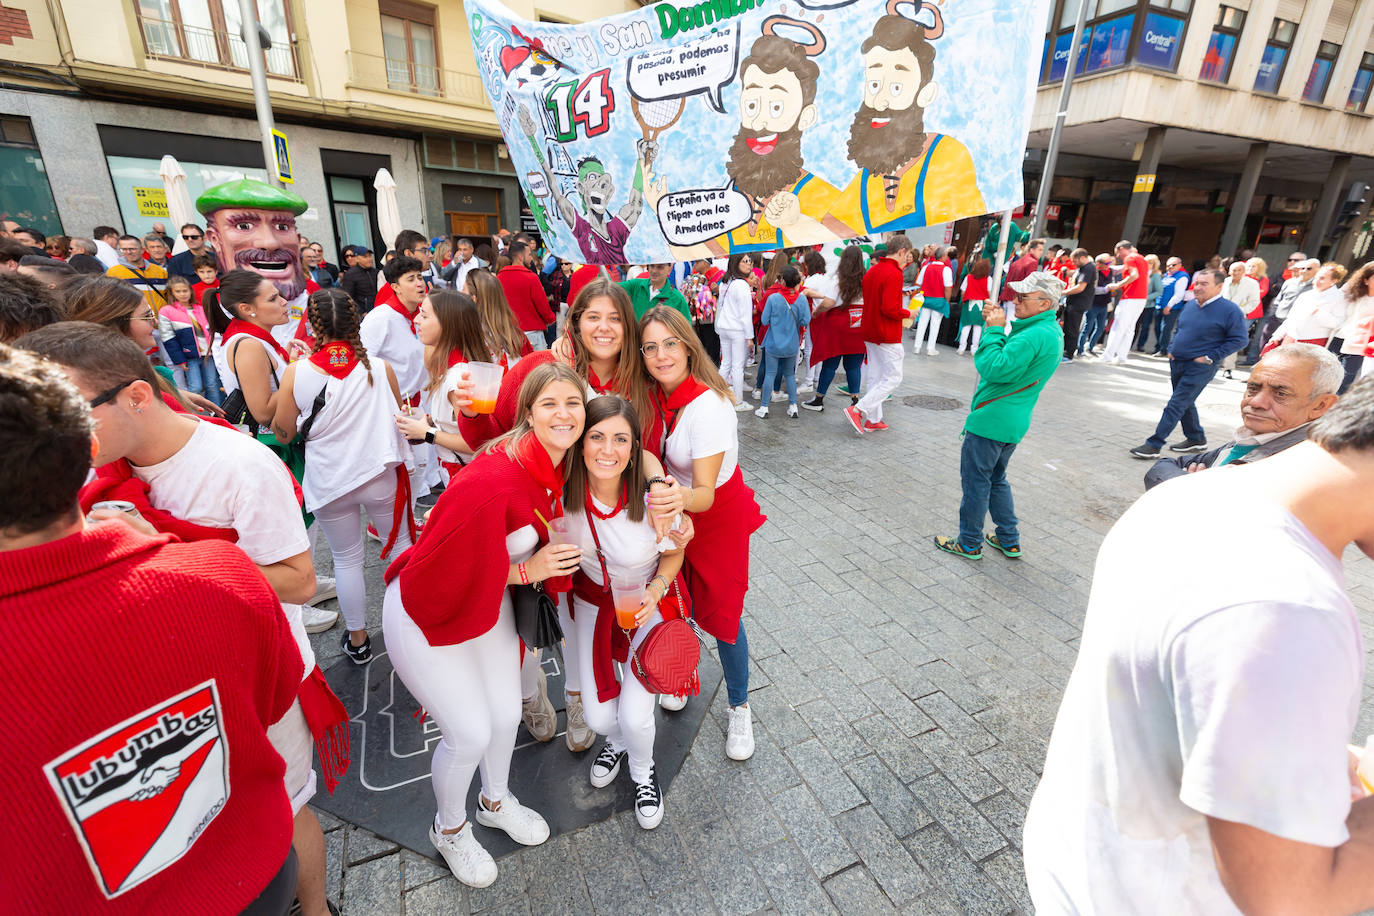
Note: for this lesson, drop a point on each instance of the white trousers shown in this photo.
(733, 349)
(977, 330)
(884, 375)
(341, 521)
(1123, 329)
(628, 720)
(931, 318)
(472, 691)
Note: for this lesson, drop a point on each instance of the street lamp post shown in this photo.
(1042, 197)
(256, 41)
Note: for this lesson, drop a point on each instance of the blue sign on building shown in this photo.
(1160, 41)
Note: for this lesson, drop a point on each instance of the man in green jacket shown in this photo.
(656, 289)
(1012, 368)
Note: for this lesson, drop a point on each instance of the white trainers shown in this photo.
(762, 412)
(317, 620)
(739, 743)
(524, 825)
(579, 735)
(671, 703)
(325, 588)
(538, 713)
(792, 411)
(758, 393)
(469, 862)
(778, 396)
(932, 352)
(741, 406)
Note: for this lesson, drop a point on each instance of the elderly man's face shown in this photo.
(1028, 304)
(658, 273)
(1278, 396)
(131, 250)
(156, 248)
(1205, 287)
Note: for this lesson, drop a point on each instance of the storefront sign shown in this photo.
(151, 202)
(1159, 43)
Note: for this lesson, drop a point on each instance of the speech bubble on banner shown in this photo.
(706, 65)
(537, 183)
(698, 215)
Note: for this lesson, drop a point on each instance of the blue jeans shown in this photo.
(1094, 323)
(1256, 338)
(210, 380)
(853, 366)
(1164, 328)
(734, 661)
(1188, 378)
(983, 474)
(1147, 321)
(782, 367)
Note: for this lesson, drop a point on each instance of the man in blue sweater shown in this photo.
(1210, 328)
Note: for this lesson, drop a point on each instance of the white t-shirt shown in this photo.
(222, 478)
(1232, 692)
(385, 333)
(735, 310)
(825, 284)
(295, 313)
(222, 349)
(705, 427)
(630, 547)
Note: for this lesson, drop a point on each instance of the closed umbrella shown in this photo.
(179, 207)
(388, 212)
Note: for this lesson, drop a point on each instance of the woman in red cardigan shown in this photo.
(694, 428)
(449, 621)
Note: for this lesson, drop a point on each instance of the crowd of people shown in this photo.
(581, 425)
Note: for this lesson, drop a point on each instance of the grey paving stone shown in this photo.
(690, 800)
(554, 878)
(776, 713)
(935, 903)
(419, 870)
(791, 885)
(769, 766)
(438, 898)
(888, 795)
(328, 821)
(685, 898)
(954, 762)
(956, 687)
(887, 860)
(373, 888)
(841, 692)
(510, 883)
(854, 892)
(825, 777)
(956, 723)
(814, 833)
(954, 874)
(954, 812)
(725, 871)
(599, 843)
(363, 845)
(1006, 814)
(792, 681)
(833, 729)
(903, 672)
(904, 713)
(1007, 869)
(661, 856)
(897, 751)
(1010, 771)
(749, 814)
(616, 886)
(516, 907)
(849, 660)
(334, 863)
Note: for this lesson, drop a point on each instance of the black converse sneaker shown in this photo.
(606, 765)
(817, 403)
(360, 655)
(649, 802)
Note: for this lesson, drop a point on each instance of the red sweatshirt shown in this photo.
(526, 296)
(140, 680)
(884, 309)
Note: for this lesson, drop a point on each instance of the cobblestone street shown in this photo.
(902, 697)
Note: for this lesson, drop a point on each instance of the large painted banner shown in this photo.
(702, 129)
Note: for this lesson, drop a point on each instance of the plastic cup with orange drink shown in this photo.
(486, 383)
(628, 595)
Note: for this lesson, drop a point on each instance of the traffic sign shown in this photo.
(283, 157)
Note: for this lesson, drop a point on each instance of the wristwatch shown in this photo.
(429, 435)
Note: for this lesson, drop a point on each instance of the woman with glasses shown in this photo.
(694, 429)
(735, 323)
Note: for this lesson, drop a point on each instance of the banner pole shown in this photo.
(1001, 251)
(1042, 196)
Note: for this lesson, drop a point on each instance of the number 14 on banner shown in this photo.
(588, 103)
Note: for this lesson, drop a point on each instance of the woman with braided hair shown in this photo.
(342, 404)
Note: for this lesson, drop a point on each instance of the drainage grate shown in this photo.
(932, 402)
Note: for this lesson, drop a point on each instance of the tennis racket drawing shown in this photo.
(654, 118)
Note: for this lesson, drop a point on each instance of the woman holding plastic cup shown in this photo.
(695, 431)
(449, 622)
(624, 574)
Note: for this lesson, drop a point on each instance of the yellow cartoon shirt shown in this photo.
(939, 187)
(815, 196)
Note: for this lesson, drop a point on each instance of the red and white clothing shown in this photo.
(225, 350)
(388, 332)
(882, 333)
(481, 429)
(735, 327)
(116, 636)
(441, 411)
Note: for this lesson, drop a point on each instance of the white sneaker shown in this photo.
(792, 411)
(325, 588)
(762, 412)
(933, 352)
(758, 393)
(671, 703)
(524, 825)
(606, 765)
(778, 396)
(742, 406)
(739, 743)
(805, 388)
(469, 862)
(579, 736)
(538, 713)
(649, 802)
(317, 620)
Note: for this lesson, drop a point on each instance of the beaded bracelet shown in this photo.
(524, 576)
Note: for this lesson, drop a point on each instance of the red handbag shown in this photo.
(666, 661)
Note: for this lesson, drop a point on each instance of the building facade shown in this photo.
(93, 93)
(1202, 127)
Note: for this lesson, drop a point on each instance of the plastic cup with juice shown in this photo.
(486, 383)
(628, 595)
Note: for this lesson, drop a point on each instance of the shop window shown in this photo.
(1320, 75)
(1160, 41)
(208, 32)
(1275, 56)
(1364, 78)
(25, 195)
(140, 193)
(408, 40)
(1221, 47)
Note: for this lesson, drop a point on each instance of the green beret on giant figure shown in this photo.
(252, 225)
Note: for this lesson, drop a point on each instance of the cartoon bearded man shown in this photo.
(252, 225)
(907, 177)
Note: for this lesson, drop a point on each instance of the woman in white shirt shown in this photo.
(248, 306)
(735, 323)
(1355, 334)
(607, 516)
(1317, 313)
(355, 460)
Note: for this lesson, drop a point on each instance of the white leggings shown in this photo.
(932, 318)
(628, 720)
(341, 521)
(733, 348)
(529, 662)
(977, 330)
(472, 691)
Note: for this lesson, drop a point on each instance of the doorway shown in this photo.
(355, 224)
(470, 225)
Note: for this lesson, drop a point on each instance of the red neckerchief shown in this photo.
(336, 359)
(239, 326)
(624, 496)
(599, 386)
(670, 406)
(455, 356)
(401, 310)
(532, 456)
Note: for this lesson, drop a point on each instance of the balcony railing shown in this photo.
(164, 39)
(373, 71)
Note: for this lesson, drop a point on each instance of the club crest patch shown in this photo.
(142, 792)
